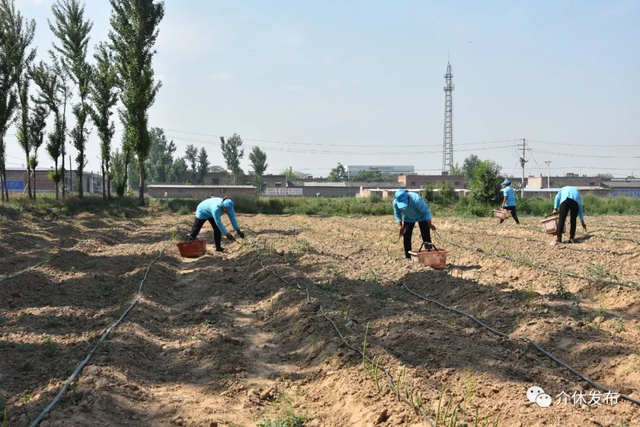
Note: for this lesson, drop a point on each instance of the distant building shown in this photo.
(352, 170)
(17, 181)
(623, 186)
(200, 192)
(419, 181)
(561, 181)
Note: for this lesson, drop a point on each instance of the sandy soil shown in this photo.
(220, 340)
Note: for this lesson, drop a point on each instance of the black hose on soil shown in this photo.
(495, 331)
(104, 336)
(389, 377)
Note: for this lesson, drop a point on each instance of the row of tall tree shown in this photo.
(162, 166)
(122, 71)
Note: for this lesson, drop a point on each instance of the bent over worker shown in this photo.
(211, 210)
(409, 208)
(509, 201)
(568, 199)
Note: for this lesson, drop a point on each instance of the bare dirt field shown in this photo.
(275, 326)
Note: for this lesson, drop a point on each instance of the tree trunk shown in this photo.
(28, 177)
(104, 187)
(108, 182)
(34, 183)
(57, 178)
(63, 172)
(80, 170)
(141, 194)
(3, 180)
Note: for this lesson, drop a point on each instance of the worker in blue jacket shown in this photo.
(409, 208)
(211, 210)
(568, 199)
(509, 201)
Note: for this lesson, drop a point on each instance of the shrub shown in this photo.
(485, 185)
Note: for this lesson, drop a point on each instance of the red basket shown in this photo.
(501, 213)
(192, 249)
(434, 258)
(550, 225)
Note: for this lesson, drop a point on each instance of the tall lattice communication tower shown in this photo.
(447, 146)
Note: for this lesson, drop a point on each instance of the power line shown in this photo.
(585, 145)
(356, 153)
(599, 156)
(336, 145)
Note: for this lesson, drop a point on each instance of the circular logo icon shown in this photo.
(533, 392)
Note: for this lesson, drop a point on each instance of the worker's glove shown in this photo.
(230, 237)
(240, 233)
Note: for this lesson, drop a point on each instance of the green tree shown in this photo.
(8, 80)
(203, 165)
(22, 133)
(104, 96)
(486, 181)
(232, 154)
(18, 33)
(37, 123)
(259, 165)
(338, 173)
(53, 93)
(134, 30)
(72, 32)
(456, 170)
(179, 171)
(469, 165)
(191, 157)
(160, 159)
(119, 171)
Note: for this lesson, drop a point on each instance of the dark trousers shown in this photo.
(565, 207)
(512, 209)
(425, 231)
(197, 225)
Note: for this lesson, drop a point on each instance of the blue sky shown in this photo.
(360, 82)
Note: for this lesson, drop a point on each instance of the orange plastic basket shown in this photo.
(501, 213)
(434, 258)
(550, 225)
(192, 249)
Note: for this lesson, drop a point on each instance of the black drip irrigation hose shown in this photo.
(46, 260)
(533, 239)
(632, 285)
(104, 336)
(493, 330)
(388, 376)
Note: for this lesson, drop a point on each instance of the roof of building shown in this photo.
(346, 184)
(622, 184)
(555, 190)
(200, 186)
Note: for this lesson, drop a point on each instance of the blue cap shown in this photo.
(506, 182)
(228, 204)
(402, 198)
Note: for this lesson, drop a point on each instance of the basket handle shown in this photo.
(547, 216)
(431, 246)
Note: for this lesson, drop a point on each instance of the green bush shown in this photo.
(485, 185)
(288, 421)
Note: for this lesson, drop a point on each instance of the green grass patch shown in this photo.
(288, 421)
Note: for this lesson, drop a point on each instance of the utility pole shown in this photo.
(548, 162)
(523, 161)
